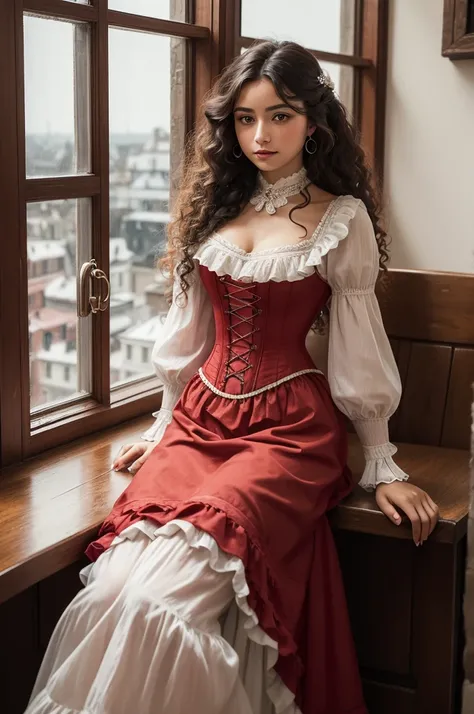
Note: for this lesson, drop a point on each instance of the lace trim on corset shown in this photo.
(256, 391)
(285, 262)
(300, 246)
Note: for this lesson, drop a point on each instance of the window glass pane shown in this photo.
(317, 24)
(163, 9)
(144, 149)
(343, 77)
(57, 97)
(55, 230)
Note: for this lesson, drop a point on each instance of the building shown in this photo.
(136, 348)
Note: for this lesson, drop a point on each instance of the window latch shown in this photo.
(87, 301)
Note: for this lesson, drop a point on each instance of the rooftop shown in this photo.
(44, 250)
(148, 217)
(148, 331)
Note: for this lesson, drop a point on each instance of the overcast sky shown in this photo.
(140, 65)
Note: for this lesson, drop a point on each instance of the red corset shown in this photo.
(261, 329)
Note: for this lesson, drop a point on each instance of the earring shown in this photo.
(314, 146)
(237, 156)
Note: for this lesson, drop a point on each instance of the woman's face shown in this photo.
(263, 122)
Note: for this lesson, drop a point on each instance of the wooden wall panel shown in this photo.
(436, 307)
(437, 626)
(424, 396)
(26, 623)
(379, 596)
(54, 594)
(456, 426)
(388, 698)
(19, 656)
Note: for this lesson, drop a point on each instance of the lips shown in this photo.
(265, 153)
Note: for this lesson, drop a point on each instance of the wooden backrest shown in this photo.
(429, 318)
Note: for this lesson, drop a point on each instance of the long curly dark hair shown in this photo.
(215, 186)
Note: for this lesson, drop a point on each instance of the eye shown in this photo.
(243, 118)
(282, 117)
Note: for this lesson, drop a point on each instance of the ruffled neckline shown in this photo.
(290, 262)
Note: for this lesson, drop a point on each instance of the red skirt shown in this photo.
(259, 475)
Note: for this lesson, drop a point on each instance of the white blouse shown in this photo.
(362, 373)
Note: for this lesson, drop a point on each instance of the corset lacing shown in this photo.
(236, 304)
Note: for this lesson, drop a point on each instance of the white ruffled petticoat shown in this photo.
(163, 626)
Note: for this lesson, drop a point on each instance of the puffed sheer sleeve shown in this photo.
(183, 347)
(362, 372)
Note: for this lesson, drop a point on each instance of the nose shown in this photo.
(261, 134)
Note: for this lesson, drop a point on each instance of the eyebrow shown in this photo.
(268, 109)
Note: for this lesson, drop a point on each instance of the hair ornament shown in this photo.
(326, 81)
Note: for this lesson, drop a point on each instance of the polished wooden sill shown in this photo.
(52, 505)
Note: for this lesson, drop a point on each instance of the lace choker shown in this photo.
(275, 195)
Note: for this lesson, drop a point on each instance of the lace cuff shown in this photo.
(157, 430)
(171, 395)
(372, 432)
(380, 467)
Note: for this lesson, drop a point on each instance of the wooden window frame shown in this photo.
(458, 43)
(213, 40)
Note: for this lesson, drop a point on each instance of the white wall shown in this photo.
(429, 159)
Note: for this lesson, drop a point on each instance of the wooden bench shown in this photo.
(404, 601)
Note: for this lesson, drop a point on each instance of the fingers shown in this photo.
(425, 521)
(138, 463)
(415, 503)
(127, 455)
(428, 515)
(388, 509)
(412, 514)
(423, 518)
(122, 451)
(433, 512)
(432, 506)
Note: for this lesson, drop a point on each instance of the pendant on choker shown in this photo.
(272, 196)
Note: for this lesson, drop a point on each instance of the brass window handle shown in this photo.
(87, 301)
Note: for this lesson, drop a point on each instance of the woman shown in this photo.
(215, 587)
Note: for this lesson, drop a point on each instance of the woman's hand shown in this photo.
(133, 456)
(418, 506)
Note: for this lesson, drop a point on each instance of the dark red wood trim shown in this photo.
(62, 9)
(101, 203)
(91, 417)
(335, 57)
(53, 189)
(373, 81)
(11, 269)
(127, 21)
(202, 59)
